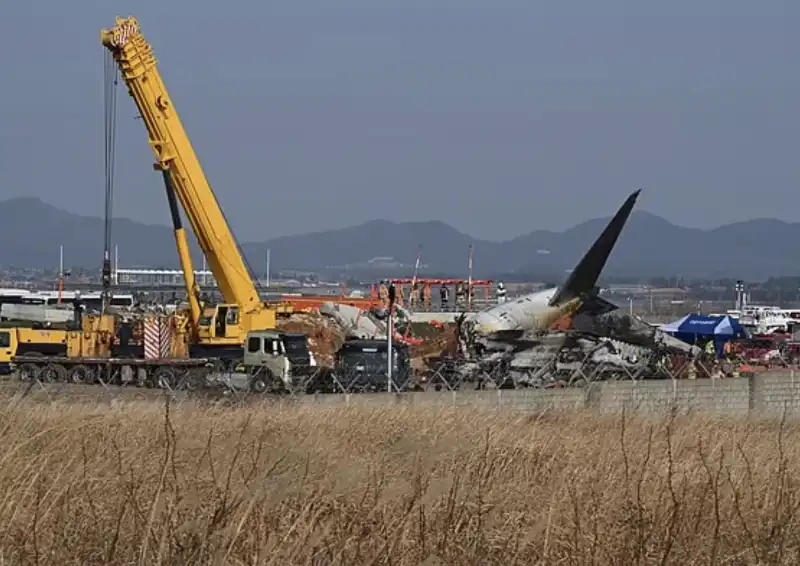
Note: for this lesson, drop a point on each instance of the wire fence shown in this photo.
(361, 376)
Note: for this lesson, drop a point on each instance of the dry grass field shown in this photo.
(137, 483)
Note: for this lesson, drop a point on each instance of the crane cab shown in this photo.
(220, 323)
(227, 325)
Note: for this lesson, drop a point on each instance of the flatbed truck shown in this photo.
(271, 361)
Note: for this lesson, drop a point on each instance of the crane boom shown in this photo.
(175, 154)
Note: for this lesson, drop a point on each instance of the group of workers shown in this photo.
(420, 296)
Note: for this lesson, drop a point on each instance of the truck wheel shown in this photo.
(165, 378)
(258, 383)
(81, 374)
(53, 373)
(28, 372)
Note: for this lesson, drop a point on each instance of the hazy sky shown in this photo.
(496, 116)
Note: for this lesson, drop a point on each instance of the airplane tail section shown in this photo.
(583, 278)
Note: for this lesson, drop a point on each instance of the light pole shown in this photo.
(389, 332)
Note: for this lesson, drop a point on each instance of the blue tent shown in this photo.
(694, 327)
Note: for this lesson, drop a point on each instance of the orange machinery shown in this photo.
(312, 303)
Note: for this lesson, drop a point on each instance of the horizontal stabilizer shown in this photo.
(596, 306)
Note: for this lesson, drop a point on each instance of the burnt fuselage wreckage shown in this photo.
(566, 335)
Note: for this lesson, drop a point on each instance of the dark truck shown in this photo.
(302, 359)
(361, 366)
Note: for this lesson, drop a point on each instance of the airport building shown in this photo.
(156, 277)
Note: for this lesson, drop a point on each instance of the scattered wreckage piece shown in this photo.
(597, 348)
(578, 360)
(359, 324)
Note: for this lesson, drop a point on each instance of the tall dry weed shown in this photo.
(146, 483)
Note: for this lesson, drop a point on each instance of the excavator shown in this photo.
(216, 329)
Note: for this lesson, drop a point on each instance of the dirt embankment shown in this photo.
(325, 337)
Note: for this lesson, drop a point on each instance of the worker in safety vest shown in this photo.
(461, 295)
(415, 295)
(383, 294)
(424, 297)
(501, 293)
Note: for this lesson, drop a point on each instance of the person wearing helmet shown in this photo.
(501, 293)
(444, 297)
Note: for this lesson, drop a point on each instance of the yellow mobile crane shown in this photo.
(219, 326)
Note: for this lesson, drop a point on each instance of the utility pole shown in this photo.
(389, 331)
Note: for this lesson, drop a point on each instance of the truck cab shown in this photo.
(272, 355)
(263, 348)
(18, 341)
(7, 349)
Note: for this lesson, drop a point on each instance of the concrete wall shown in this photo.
(768, 393)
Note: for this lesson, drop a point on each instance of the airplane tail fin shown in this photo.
(583, 278)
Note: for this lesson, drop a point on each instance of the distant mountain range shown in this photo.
(32, 230)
